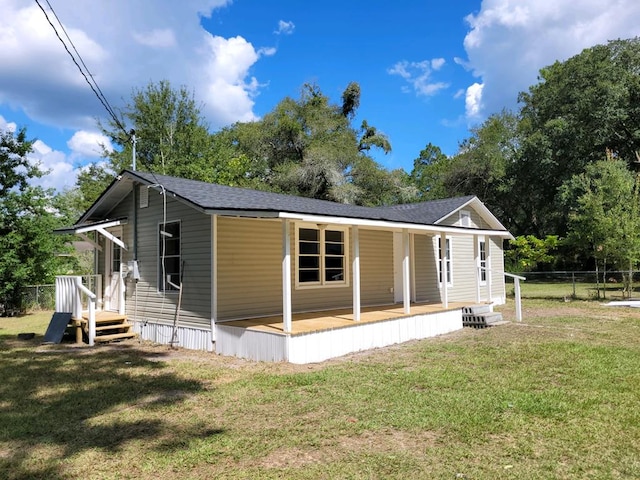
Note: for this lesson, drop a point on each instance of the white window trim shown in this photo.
(465, 215)
(449, 260)
(159, 257)
(483, 239)
(322, 283)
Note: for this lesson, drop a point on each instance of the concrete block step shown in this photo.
(477, 309)
(482, 319)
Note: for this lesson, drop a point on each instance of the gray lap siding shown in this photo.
(144, 301)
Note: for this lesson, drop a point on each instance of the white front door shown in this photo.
(113, 284)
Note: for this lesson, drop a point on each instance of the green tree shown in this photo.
(91, 181)
(428, 173)
(27, 244)
(580, 108)
(481, 165)
(527, 252)
(602, 211)
(308, 147)
(171, 137)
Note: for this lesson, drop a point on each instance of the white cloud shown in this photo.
(267, 51)
(60, 174)
(227, 67)
(157, 38)
(114, 38)
(285, 28)
(418, 76)
(89, 144)
(473, 101)
(437, 63)
(509, 42)
(7, 126)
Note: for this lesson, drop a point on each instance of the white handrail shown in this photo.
(92, 309)
(516, 282)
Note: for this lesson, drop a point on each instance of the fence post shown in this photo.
(518, 300)
(573, 282)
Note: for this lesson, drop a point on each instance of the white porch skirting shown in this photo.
(325, 344)
(185, 337)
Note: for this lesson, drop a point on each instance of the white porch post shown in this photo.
(516, 281)
(489, 270)
(121, 294)
(443, 269)
(286, 276)
(92, 308)
(412, 246)
(356, 272)
(476, 249)
(406, 274)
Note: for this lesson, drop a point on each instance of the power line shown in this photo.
(130, 136)
(94, 86)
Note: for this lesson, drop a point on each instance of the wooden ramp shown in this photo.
(57, 326)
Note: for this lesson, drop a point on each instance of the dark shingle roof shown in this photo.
(208, 196)
(428, 212)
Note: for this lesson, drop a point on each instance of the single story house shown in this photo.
(274, 277)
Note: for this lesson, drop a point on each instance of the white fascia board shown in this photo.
(484, 212)
(397, 226)
(99, 226)
(244, 213)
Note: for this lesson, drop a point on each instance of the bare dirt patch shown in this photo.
(370, 442)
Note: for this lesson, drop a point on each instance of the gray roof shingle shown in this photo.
(209, 196)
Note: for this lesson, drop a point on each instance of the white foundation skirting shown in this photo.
(319, 346)
(186, 337)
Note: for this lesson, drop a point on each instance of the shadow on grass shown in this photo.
(56, 402)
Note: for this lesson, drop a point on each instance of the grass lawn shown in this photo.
(556, 396)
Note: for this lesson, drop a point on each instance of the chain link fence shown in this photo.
(589, 285)
(38, 297)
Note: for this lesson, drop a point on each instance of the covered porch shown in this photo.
(317, 336)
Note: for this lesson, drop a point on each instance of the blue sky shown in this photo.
(428, 70)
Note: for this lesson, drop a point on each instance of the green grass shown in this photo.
(555, 396)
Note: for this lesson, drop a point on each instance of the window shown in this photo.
(168, 256)
(482, 259)
(116, 256)
(321, 256)
(447, 261)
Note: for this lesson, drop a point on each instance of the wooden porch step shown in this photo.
(121, 318)
(115, 326)
(115, 336)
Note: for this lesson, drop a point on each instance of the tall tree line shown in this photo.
(305, 146)
(567, 157)
(517, 162)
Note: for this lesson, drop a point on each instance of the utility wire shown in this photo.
(94, 86)
(92, 83)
